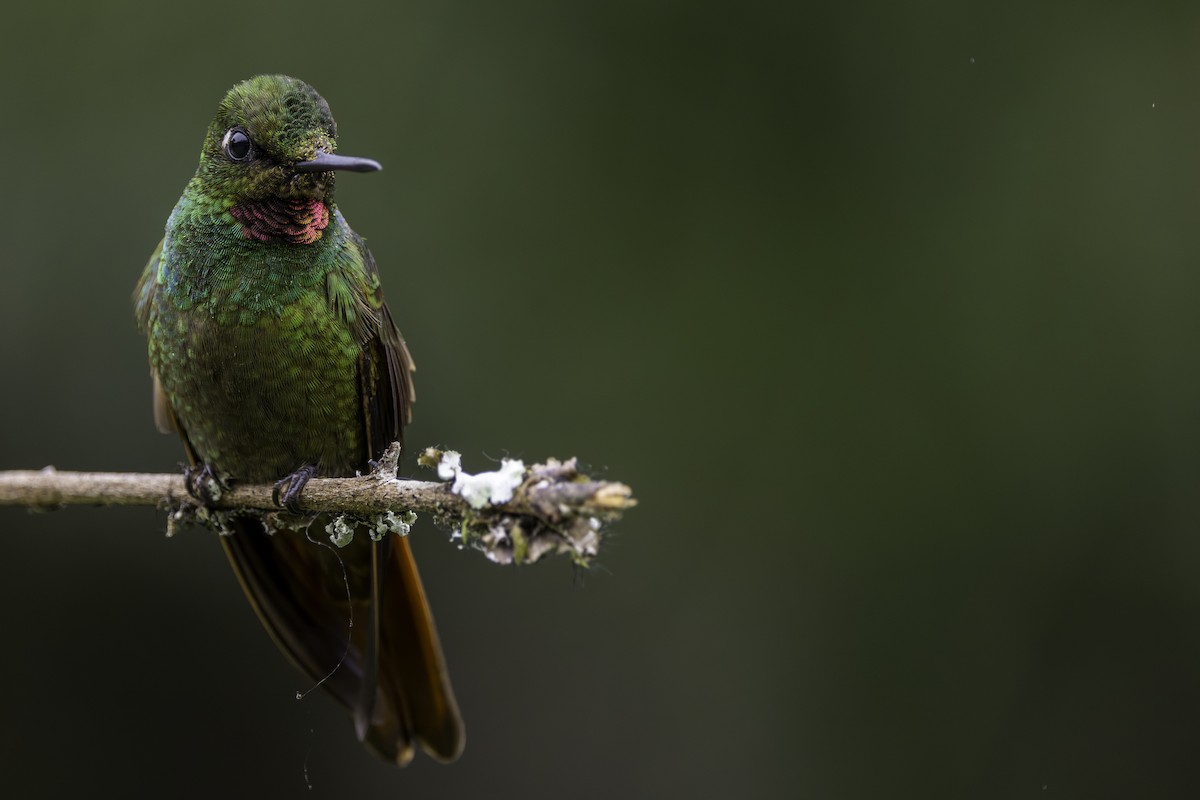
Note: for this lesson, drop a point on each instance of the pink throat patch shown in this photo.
(278, 220)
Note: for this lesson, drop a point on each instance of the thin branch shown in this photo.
(514, 515)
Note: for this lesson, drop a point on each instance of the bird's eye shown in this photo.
(236, 144)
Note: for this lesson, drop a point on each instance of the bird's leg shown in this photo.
(287, 491)
(204, 484)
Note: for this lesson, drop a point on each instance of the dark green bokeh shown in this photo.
(886, 313)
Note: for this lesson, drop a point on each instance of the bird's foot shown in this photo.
(287, 491)
(204, 484)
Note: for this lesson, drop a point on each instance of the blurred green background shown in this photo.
(886, 312)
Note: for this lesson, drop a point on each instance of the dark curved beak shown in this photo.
(328, 162)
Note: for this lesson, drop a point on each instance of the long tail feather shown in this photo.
(386, 669)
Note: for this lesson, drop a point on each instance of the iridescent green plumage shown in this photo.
(274, 355)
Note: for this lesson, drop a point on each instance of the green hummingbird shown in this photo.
(275, 358)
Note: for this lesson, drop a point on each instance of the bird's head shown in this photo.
(273, 137)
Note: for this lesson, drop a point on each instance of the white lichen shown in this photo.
(341, 530)
(387, 523)
(495, 487)
(450, 465)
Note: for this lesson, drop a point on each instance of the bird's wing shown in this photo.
(385, 365)
(143, 293)
(143, 303)
(414, 700)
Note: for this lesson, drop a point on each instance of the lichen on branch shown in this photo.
(516, 515)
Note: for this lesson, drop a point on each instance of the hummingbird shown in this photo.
(275, 359)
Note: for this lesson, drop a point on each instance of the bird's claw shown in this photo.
(204, 484)
(287, 490)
